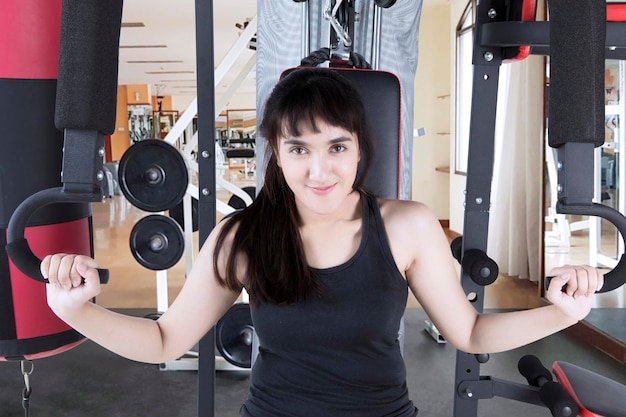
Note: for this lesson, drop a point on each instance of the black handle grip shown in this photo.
(617, 276)
(548, 280)
(17, 246)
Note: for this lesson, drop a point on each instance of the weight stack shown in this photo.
(30, 161)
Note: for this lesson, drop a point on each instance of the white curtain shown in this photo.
(515, 223)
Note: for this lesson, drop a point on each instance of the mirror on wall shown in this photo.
(570, 239)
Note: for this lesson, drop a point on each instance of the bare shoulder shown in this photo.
(413, 231)
(407, 214)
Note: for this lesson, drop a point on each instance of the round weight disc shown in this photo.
(157, 242)
(233, 335)
(177, 213)
(153, 175)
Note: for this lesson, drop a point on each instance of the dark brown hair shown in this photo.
(267, 235)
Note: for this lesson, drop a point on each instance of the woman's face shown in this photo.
(320, 167)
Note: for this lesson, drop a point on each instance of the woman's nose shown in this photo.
(319, 166)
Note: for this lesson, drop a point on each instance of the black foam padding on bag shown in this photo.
(577, 52)
(88, 65)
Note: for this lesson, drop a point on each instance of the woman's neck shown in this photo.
(349, 210)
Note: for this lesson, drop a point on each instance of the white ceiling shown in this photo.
(169, 65)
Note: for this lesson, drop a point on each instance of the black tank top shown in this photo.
(337, 354)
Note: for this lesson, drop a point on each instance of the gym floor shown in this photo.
(90, 381)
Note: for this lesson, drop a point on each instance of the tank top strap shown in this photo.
(377, 228)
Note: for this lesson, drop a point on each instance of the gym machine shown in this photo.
(507, 30)
(494, 33)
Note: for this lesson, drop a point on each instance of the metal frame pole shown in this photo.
(487, 61)
(207, 211)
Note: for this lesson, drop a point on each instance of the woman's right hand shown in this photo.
(73, 281)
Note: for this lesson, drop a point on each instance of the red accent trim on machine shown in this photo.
(564, 381)
(616, 12)
(529, 10)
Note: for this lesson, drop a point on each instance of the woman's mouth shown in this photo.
(322, 190)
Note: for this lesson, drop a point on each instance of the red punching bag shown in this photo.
(30, 161)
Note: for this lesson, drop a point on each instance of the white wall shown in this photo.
(457, 182)
(181, 102)
(432, 111)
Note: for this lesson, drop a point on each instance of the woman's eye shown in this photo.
(297, 150)
(338, 148)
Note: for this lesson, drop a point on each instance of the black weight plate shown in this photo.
(177, 213)
(157, 242)
(233, 335)
(153, 175)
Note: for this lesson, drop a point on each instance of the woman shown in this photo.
(327, 267)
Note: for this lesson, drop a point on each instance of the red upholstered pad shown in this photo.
(616, 12)
(596, 395)
(527, 13)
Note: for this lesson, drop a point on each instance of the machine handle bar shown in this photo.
(17, 246)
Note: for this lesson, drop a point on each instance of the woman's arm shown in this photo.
(422, 251)
(197, 308)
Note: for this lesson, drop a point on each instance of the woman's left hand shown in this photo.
(581, 284)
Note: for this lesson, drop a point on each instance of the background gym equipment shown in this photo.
(153, 175)
(234, 334)
(177, 213)
(577, 64)
(187, 213)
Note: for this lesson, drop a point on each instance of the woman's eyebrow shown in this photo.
(294, 141)
(299, 142)
(340, 139)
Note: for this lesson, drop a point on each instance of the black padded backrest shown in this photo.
(381, 94)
